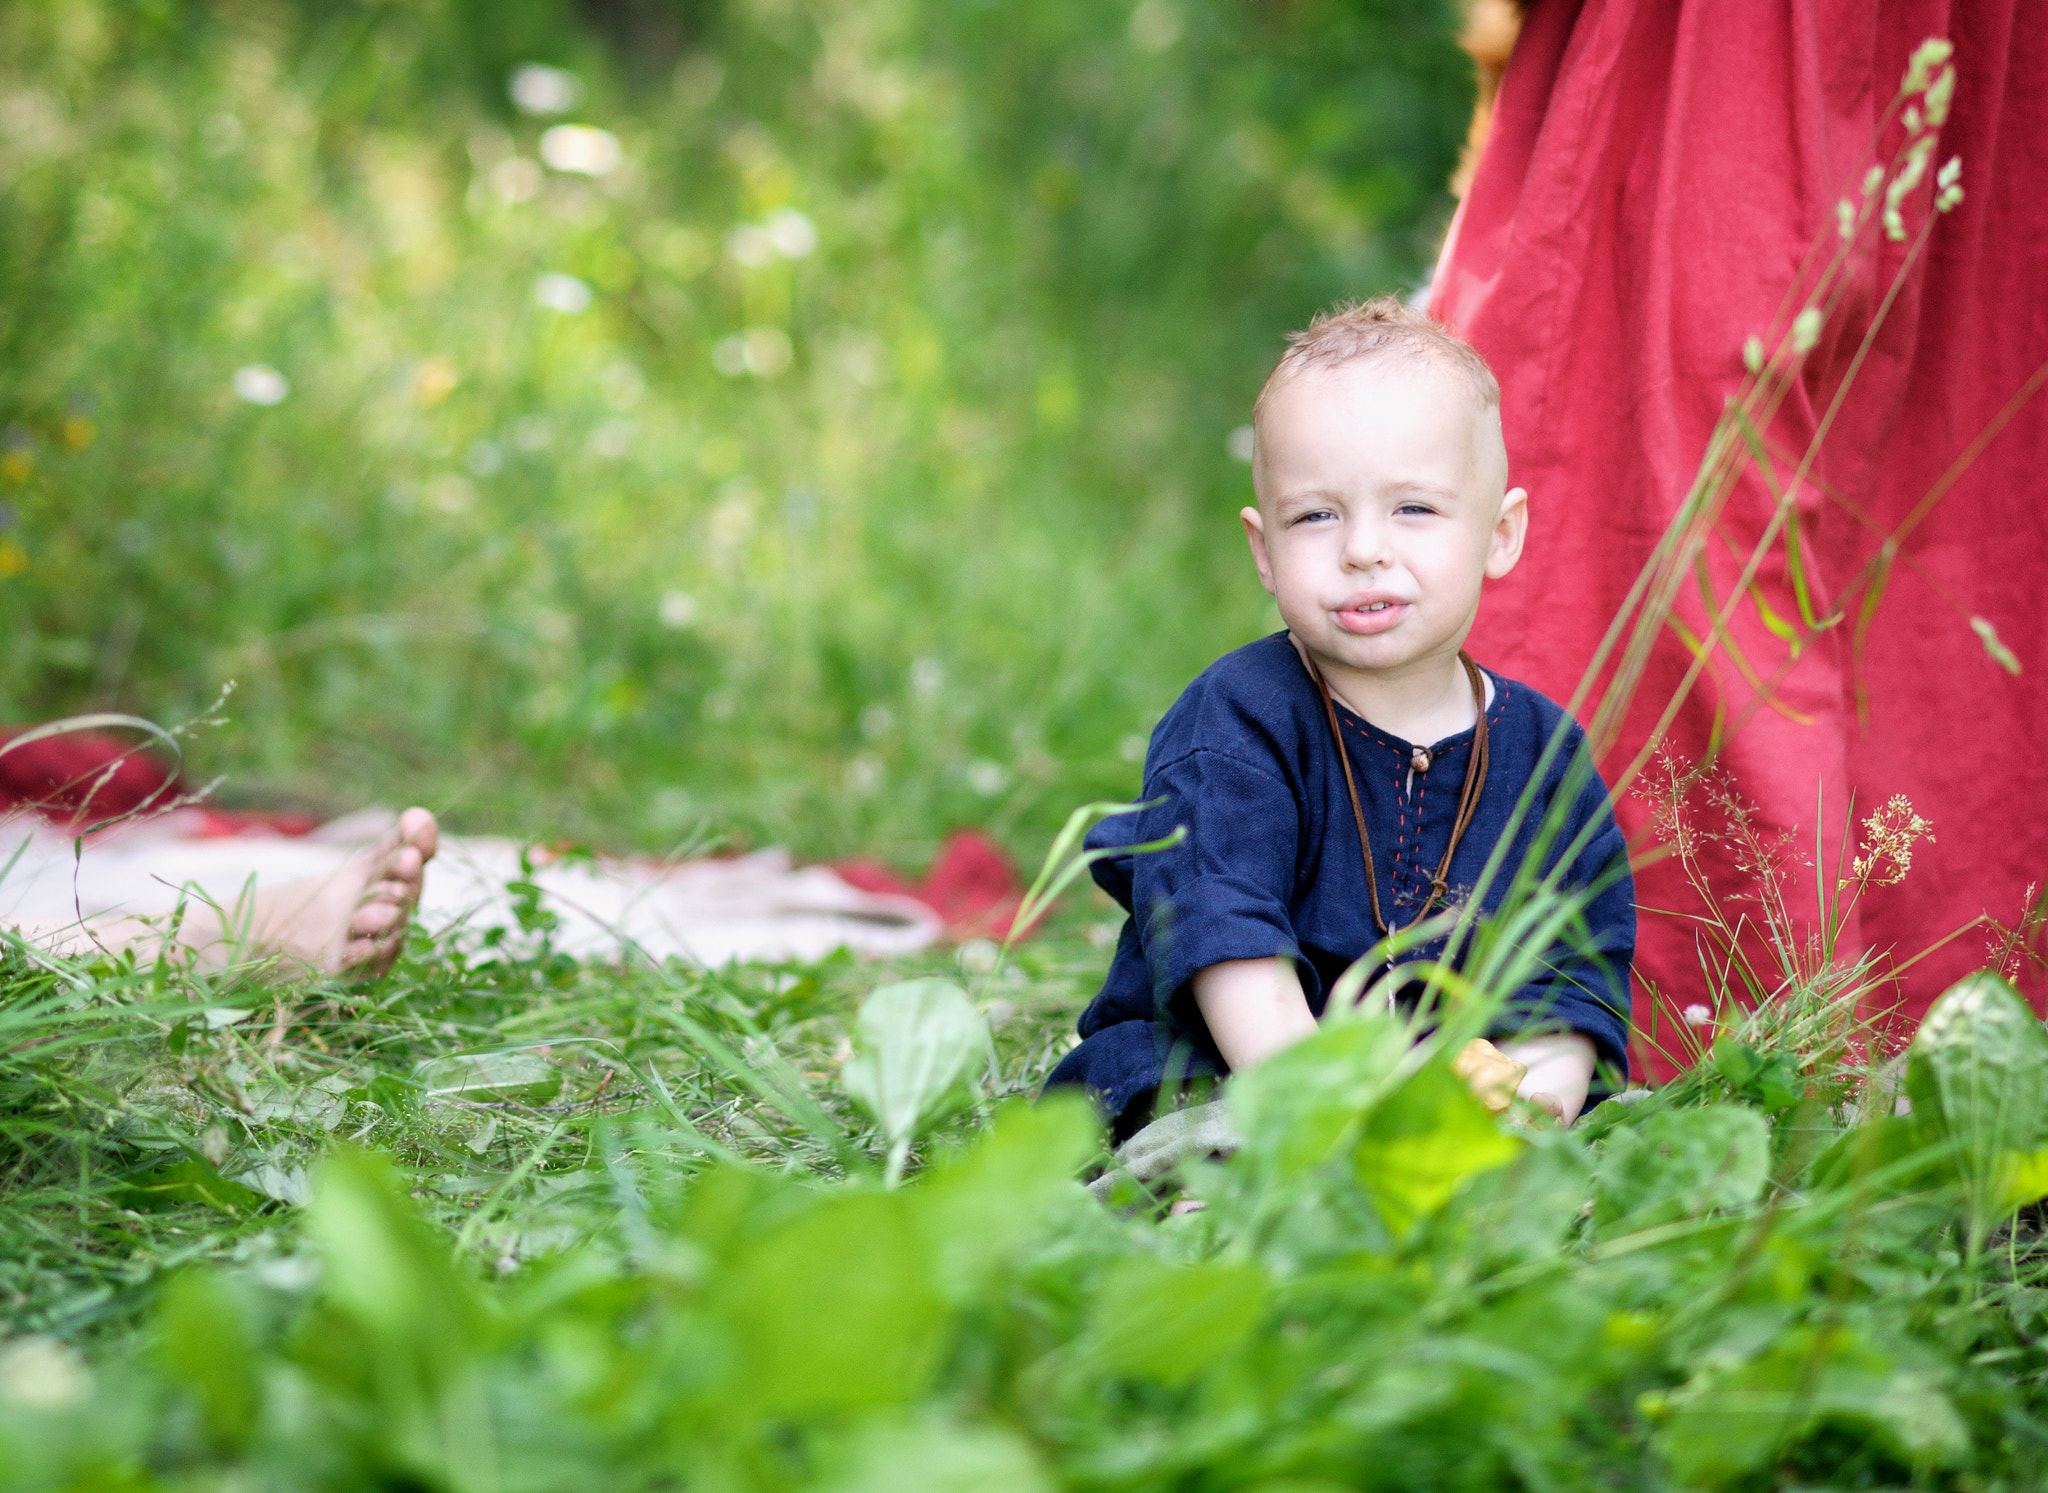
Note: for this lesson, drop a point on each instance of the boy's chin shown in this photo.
(1380, 653)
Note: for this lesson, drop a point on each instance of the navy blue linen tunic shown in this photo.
(1271, 864)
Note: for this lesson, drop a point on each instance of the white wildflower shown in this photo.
(791, 233)
(537, 88)
(259, 383)
(1155, 25)
(581, 148)
(561, 293)
(677, 610)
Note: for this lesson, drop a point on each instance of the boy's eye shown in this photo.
(1421, 508)
(1311, 516)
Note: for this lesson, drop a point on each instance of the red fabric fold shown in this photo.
(971, 886)
(1655, 176)
(84, 775)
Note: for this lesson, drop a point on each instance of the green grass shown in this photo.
(139, 1134)
(528, 1224)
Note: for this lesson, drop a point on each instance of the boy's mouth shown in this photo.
(1371, 615)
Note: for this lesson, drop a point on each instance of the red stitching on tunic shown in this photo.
(1401, 838)
(1367, 737)
(1500, 699)
(1421, 819)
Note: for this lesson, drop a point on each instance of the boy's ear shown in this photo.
(1255, 536)
(1509, 531)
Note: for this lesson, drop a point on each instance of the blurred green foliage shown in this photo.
(700, 1281)
(880, 485)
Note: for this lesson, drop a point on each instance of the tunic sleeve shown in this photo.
(1225, 891)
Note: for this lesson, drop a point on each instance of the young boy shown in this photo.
(1349, 776)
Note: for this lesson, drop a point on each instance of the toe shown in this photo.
(374, 917)
(406, 865)
(418, 828)
(369, 956)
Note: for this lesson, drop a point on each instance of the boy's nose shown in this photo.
(1364, 547)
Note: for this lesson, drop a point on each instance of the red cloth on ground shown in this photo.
(1656, 173)
(971, 885)
(81, 774)
(79, 779)
(83, 778)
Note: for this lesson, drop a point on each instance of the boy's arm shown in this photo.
(1253, 1008)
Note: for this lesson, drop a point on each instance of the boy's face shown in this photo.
(1381, 506)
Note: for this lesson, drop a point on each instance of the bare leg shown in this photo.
(352, 922)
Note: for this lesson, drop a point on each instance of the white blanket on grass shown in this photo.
(758, 907)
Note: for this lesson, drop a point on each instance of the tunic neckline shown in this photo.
(1388, 739)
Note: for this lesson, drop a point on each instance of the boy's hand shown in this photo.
(1560, 1070)
(1489, 1073)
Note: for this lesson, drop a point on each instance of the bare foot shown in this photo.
(397, 872)
(352, 922)
(349, 922)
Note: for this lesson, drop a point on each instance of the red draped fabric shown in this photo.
(1656, 175)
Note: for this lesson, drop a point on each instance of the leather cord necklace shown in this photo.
(1468, 797)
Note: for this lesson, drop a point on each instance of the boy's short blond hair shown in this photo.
(1381, 327)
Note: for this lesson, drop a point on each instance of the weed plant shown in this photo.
(506, 1221)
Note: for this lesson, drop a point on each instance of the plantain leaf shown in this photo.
(1978, 1072)
(520, 1074)
(1422, 1143)
(1168, 1323)
(913, 1042)
(1682, 1163)
(834, 1309)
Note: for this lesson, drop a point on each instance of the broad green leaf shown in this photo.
(203, 1339)
(1166, 1322)
(1890, 1153)
(522, 1074)
(1682, 1163)
(188, 1180)
(730, 1206)
(1304, 1105)
(836, 1309)
(1422, 1142)
(1732, 1421)
(2022, 1179)
(384, 1266)
(1525, 1210)
(939, 1456)
(1768, 1079)
(912, 1043)
(980, 1208)
(1978, 1069)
